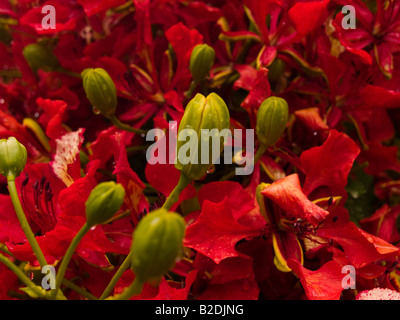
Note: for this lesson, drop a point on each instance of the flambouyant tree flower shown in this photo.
(323, 198)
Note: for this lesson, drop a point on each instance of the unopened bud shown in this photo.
(103, 202)
(272, 117)
(201, 61)
(100, 90)
(206, 123)
(13, 158)
(157, 242)
(40, 57)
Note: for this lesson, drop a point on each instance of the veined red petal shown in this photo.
(330, 163)
(315, 11)
(322, 284)
(359, 246)
(216, 231)
(287, 194)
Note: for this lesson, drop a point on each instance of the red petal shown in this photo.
(378, 97)
(241, 202)
(135, 199)
(322, 284)
(10, 229)
(360, 247)
(260, 9)
(259, 91)
(216, 231)
(52, 117)
(92, 7)
(329, 164)
(288, 195)
(379, 158)
(232, 279)
(66, 18)
(315, 11)
(312, 119)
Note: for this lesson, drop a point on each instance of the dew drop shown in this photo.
(96, 111)
(211, 169)
(84, 254)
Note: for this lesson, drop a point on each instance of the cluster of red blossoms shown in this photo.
(324, 199)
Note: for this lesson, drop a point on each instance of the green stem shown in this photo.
(4, 248)
(123, 126)
(68, 255)
(21, 275)
(79, 290)
(125, 265)
(24, 223)
(134, 289)
(261, 150)
(174, 195)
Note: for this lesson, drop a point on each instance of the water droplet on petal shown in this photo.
(84, 254)
(96, 111)
(211, 169)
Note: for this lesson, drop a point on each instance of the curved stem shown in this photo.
(21, 275)
(261, 150)
(174, 195)
(79, 290)
(134, 289)
(123, 126)
(24, 223)
(125, 265)
(68, 255)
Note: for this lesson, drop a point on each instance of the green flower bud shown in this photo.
(206, 123)
(13, 158)
(157, 241)
(201, 61)
(272, 117)
(40, 57)
(100, 90)
(103, 202)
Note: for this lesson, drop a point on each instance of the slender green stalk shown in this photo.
(24, 223)
(4, 248)
(261, 150)
(134, 289)
(174, 195)
(68, 255)
(125, 265)
(21, 275)
(79, 290)
(123, 126)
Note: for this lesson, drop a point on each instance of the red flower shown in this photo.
(329, 164)
(288, 195)
(376, 32)
(322, 284)
(225, 218)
